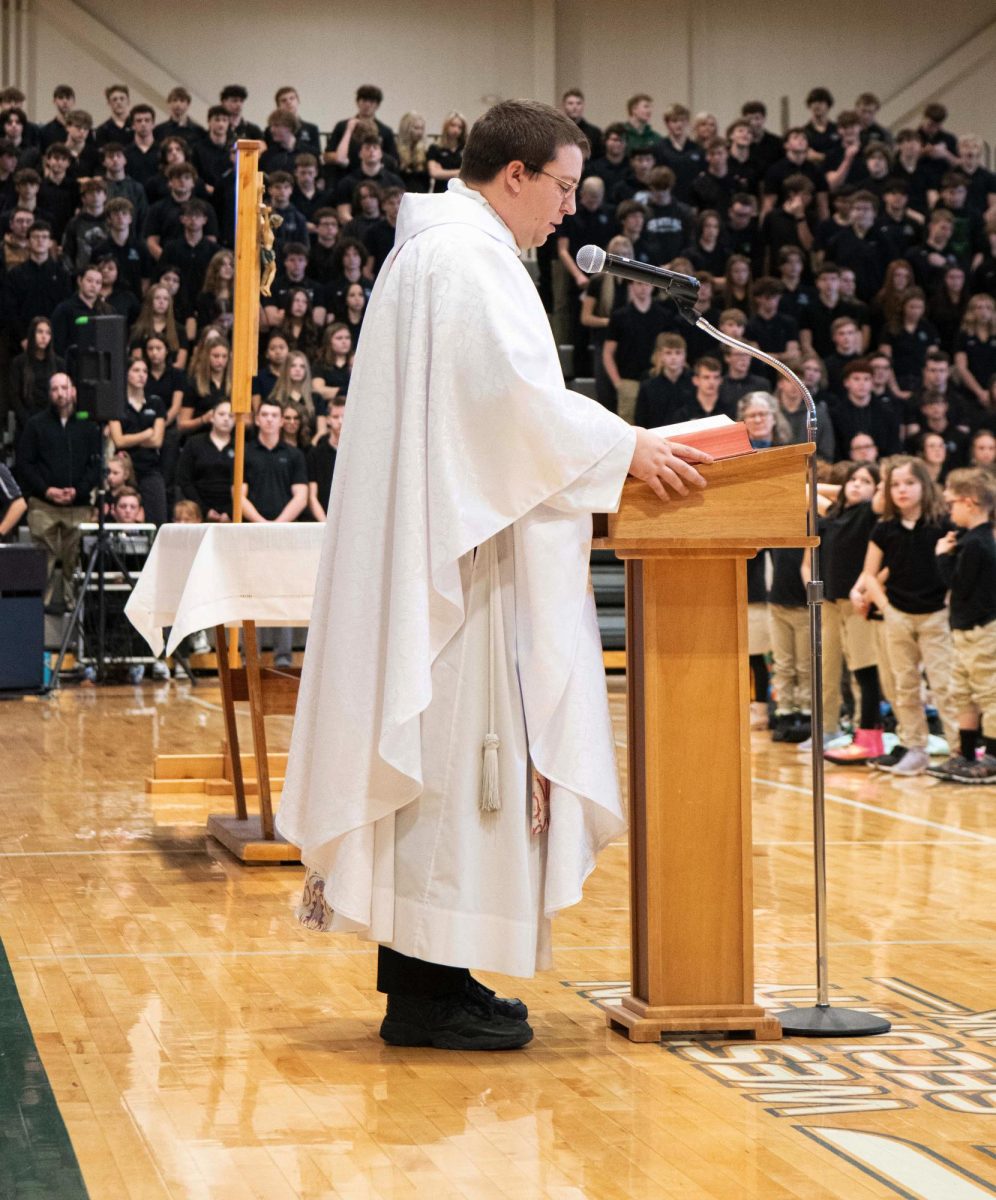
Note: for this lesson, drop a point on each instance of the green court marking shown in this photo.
(37, 1160)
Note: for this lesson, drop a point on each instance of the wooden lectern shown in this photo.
(688, 691)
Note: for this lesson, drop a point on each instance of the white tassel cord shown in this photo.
(490, 787)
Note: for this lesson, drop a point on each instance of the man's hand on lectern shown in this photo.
(663, 464)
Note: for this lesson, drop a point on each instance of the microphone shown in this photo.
(593, 260)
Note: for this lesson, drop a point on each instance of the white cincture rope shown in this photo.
(490, 789)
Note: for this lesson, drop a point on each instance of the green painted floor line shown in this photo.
(37, 1160)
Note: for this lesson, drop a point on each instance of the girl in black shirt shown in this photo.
(707, 253)
(445, 156)
(332, 370)
(413, 152)
(907, 341)
(140, 432)
(975, 357)
(847, 635)
(214, 303)
(31, 370)
(912, 603)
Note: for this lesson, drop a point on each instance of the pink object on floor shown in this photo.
(867, 745)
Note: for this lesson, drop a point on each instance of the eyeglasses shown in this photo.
(567, 189)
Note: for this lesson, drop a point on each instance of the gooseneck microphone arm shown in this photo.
(822, 1020)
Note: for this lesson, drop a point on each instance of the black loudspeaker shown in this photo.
(99, 367)
(22, 618)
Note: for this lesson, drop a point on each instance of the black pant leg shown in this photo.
(399, 975)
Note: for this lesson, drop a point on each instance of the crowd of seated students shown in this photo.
(866, 260)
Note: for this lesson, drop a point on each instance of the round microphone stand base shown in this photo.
(823, 1021)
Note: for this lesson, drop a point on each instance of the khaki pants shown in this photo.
(792, 662)
(973, 676)
(626, 394)
(915, 640)
(847, 637)
(56, 527)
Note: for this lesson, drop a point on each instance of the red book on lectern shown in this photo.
(718, 436)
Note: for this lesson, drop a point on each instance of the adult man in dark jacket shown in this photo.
(59, 465)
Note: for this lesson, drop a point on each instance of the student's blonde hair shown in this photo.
(975, 484)
(144, 326)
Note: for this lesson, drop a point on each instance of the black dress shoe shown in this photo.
(510, 1007)
(455, 1022)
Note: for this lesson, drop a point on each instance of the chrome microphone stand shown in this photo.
(820, 1020)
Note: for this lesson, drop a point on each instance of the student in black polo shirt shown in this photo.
(912, 603)
(629, 344)
(858, 411)
(206, 466)
(276, 483)
(210, 155)
(773, 331)
(844, 534)
(140, 431)
(275, 490)
(967, 565)
(321, 461)
(668, 390)
(612, 167)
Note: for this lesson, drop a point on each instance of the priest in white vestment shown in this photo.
(452, 772)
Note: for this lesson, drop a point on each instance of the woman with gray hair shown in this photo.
(766, 426)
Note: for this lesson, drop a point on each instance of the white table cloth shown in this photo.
(199, 576)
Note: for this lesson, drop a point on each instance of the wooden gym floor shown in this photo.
(181, 1036)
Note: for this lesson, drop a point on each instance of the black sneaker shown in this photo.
(944, 770)
(799, 728)
(781, 726)
(513, 1008)
(455, 1022)
(885, 761)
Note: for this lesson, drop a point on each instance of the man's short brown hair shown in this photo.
(633, 101)
(526, 131)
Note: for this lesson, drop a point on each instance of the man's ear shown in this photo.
(514, 174)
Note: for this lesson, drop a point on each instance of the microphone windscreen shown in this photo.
(590, 259)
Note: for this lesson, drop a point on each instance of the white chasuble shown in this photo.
(454, 579)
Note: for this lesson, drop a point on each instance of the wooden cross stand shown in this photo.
(249, 836)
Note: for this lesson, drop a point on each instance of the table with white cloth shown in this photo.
(218, 575)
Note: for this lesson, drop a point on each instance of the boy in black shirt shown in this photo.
(191, 252)
(795, 162)
(342, 149)
(179, 123)
(64, 99)
(788, 224)
(677, 150)
(669, 390)
(321, 258)
(629, 344)
(232, 97)
(896, 225)
(211, 153)
(670, 224)
(142, 155)
(117, 127)
(163, 222)
(771, 330)
(966, 562)
(612, 166)
(860, 246)
(572, 103)
(306, 132)
(321, 461)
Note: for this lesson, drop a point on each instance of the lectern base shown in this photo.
(245, 840)
(641, 1022)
